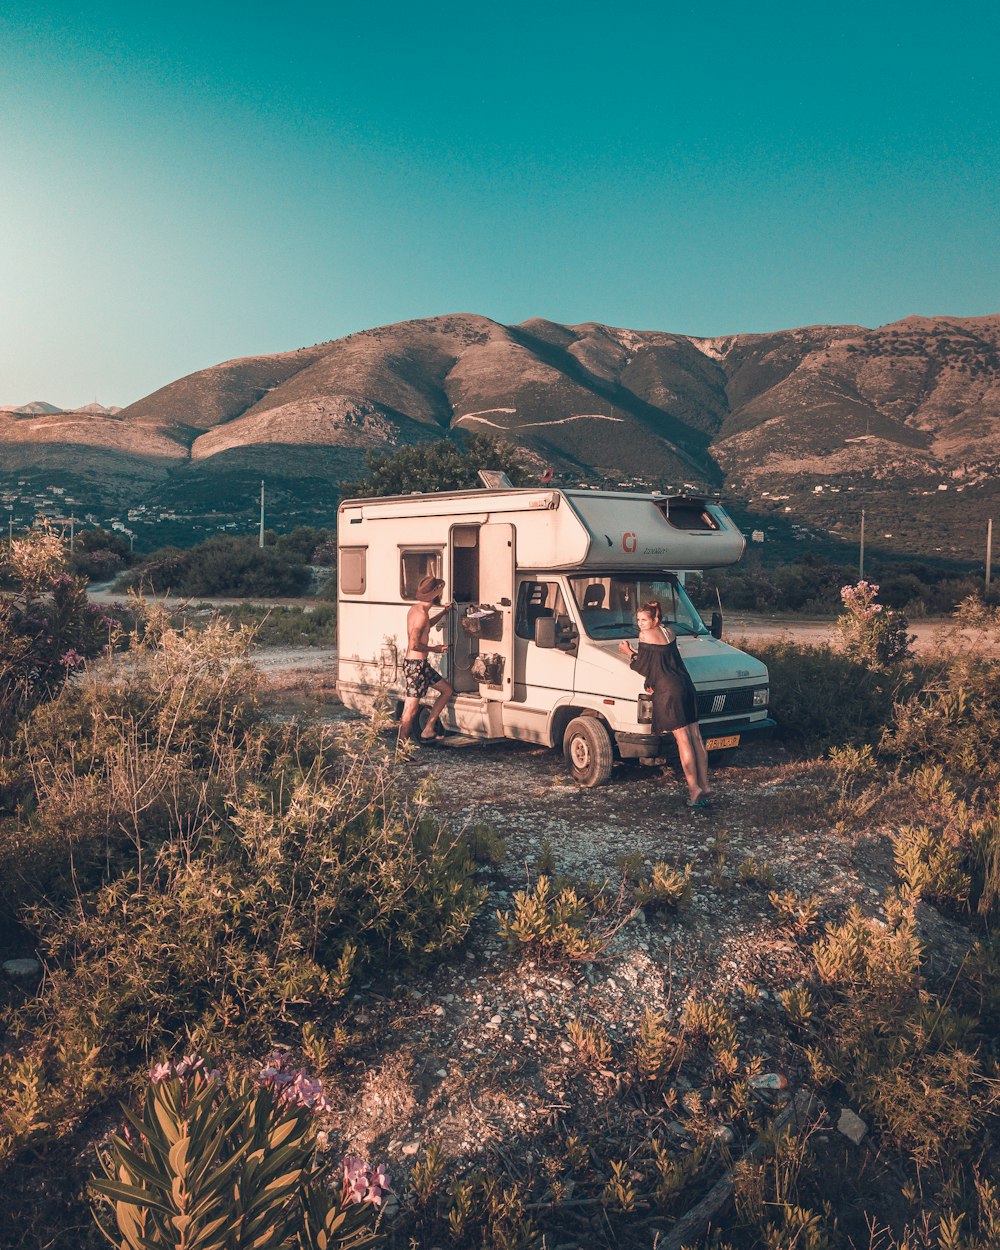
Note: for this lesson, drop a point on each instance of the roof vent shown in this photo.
(495, 479)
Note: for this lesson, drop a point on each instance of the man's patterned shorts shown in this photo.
(419, 677)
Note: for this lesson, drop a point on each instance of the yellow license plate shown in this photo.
(720, 744)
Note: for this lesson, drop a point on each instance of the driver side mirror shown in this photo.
(716, 629)
(555, 631)
(545, 632)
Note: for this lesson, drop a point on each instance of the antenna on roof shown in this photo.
(495, 479)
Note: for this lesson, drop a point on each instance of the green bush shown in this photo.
(223, 566)
(101, 773)
(821, 697)
(557, 923)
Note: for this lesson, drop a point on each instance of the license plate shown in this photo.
(721, 744)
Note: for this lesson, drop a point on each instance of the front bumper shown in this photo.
(650, 746)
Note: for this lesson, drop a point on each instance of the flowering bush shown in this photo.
(200, 1165)
(872, 633)
(47, 627)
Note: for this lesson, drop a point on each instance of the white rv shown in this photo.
(545, 583)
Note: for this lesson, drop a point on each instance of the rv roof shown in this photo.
(479, 492)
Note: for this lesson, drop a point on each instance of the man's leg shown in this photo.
(410, 705)
(445, 691)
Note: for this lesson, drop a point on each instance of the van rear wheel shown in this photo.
(588, 751)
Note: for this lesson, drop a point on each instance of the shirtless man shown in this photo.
(417, 673)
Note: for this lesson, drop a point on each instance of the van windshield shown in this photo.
(608, 603)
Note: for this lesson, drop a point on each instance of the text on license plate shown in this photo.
(720, 744)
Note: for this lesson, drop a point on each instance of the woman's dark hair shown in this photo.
(653, 608)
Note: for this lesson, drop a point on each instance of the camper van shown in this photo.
(544, 585)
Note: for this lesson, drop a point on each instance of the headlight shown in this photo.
(760, 696)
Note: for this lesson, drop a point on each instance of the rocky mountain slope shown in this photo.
(909, 407)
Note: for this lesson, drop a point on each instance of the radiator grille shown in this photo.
(724, 702)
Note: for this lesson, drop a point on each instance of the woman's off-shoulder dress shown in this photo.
(674, 702)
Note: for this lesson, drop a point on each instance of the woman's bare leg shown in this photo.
(685, 749)
(701, 759)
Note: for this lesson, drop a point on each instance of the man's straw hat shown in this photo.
(429, 588)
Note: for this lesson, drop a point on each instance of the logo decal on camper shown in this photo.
(629, 542)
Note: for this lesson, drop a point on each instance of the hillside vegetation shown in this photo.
(903, 420)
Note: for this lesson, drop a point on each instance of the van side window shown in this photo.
(414, 564)
(535, 599)
(352, 570)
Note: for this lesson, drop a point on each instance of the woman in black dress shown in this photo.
(675, 708)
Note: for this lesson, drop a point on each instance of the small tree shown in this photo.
(870, 632)
(442, 465)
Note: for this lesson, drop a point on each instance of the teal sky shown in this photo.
(188, 183)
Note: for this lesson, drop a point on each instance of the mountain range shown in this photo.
(901, 416)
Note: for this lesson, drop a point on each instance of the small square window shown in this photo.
(352, 570)
(415, 565)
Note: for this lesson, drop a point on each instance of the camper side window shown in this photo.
(352, 570)
(415, 564)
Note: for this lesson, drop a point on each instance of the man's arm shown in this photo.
(445, 609)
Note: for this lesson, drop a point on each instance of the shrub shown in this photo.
(98, 565)
(822, 698)
(116, 758)
(953, 720)
(203, 1166)
(557, 923)
(666, 887)
(276, 625)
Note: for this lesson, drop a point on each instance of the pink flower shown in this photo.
(160, 1072)
(378, 1184)
(355, 1179)
(188, 1064)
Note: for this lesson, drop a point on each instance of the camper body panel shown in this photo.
(512, 557)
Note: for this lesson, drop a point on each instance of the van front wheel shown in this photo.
(588, 751)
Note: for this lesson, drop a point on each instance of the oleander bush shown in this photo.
(202, 1165)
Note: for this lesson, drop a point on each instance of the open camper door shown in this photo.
(495, 662)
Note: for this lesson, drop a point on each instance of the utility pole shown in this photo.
(10, 531)
(861, 553)
(261, 541)
(989, 554)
